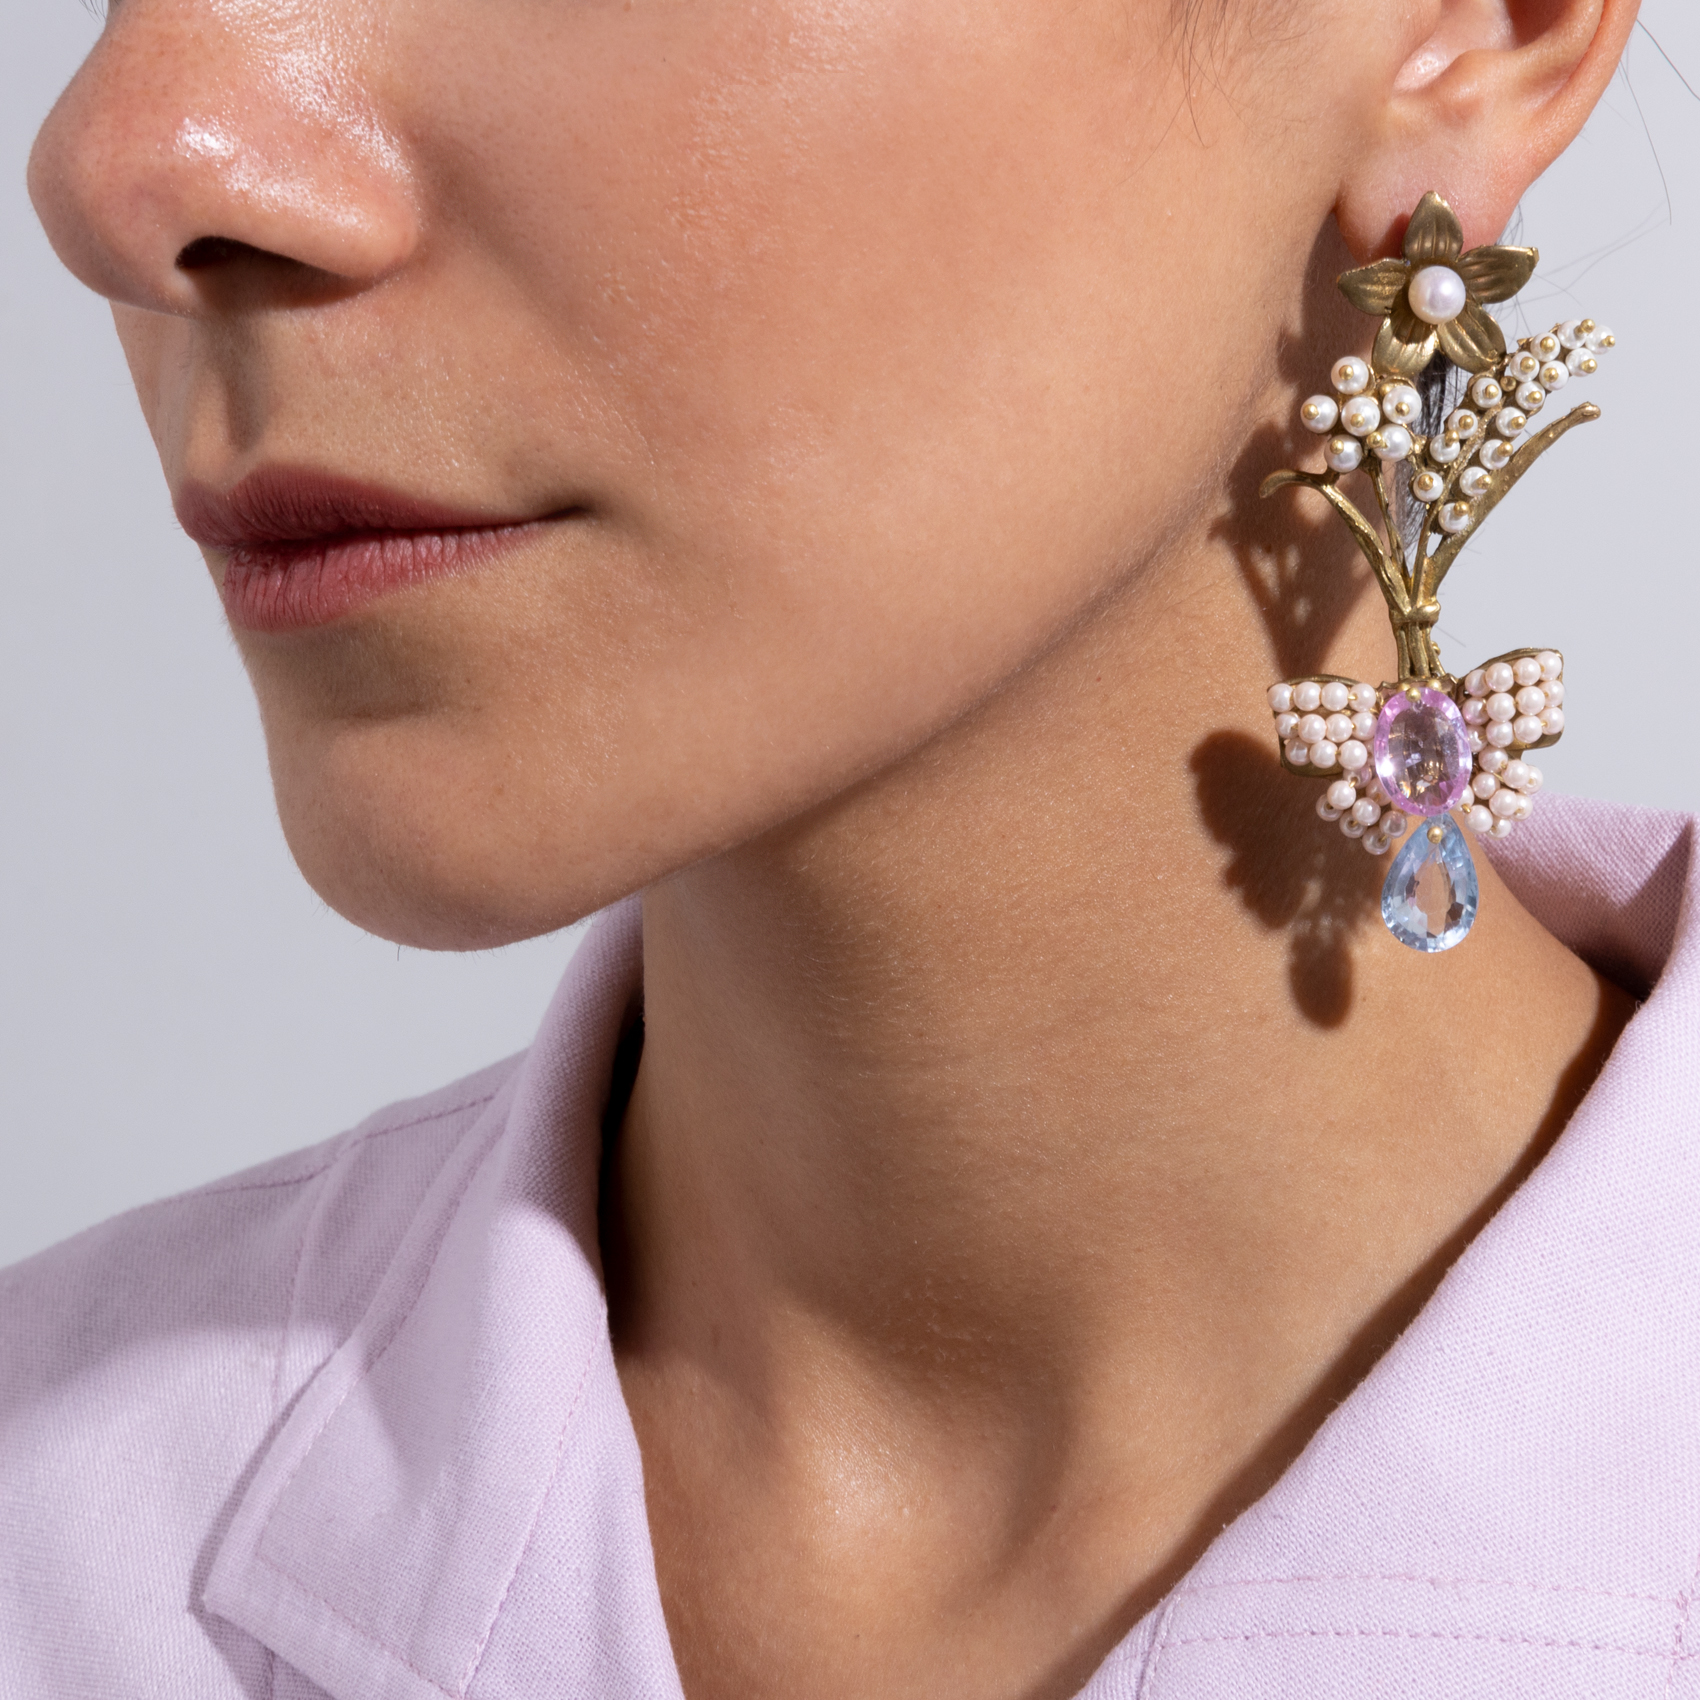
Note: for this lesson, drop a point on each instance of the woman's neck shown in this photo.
(1048, 1130)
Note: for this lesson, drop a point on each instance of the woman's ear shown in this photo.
(1494, 93)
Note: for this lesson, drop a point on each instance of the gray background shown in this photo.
(175, 1003)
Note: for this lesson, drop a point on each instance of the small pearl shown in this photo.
(1327, 810)
(1354, 754)
(1427, 486)
(1531, 700)
(1571, 334)
(1391, 442)
(1313, 728)
(1547, 345)
(1324, 755)
(1478, 819)
(1499, 677)
(1285, 725)
(1437, 294)
(1298, 752)
(1494, 454)
(1474, 481)
(1475, 711)
(1319, 414)
(1508, 422)
(1361, 415)
(1486, 393)
(1523, 366)
(1494, 761)
(1445, 449)
(1499, 733)
(1527, 729)
(1351, 827)
(1531, 397)
(1350, 376)
(1516, 774)
(1335, 696)
(1503, 804)
(1344, 454)
(1280, 698)
(1525, 808)
(1552, 663)
(1484, 785)
(1475, 683)
(1554, 376)
(1582, 363)
(1402, 405)
(1476, 740)
(1342, 794)
(1339, 727)
(1526, 670)
(1455, 517)
(1553, 721)
(1601, 337)
(1500, 829)
(1394, 824)
(1377, 843)
(1462, 422)
(1367, 810)
(1533, 781)
(1363, 696)
(1307, 696)
(1363, 725)
(1500, 706)
(1554, 689)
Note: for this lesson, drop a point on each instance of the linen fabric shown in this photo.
(349, 1424)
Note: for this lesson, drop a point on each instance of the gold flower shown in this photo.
(1420, 297)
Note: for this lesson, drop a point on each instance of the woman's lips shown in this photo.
(307, 547)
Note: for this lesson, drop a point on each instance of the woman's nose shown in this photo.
(199, 136)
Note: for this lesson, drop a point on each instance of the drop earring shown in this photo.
(1437, 422)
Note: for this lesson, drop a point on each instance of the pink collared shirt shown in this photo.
(349, 1424)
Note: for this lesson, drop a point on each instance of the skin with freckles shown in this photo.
(869, 399)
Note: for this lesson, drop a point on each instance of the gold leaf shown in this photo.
(1434, 235)
(1473, 340)
(1374, 289)
(1496, 274)
(1405, 344)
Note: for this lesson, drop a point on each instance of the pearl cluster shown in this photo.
(1325, 727)
(1509, 705)
(1367, 417)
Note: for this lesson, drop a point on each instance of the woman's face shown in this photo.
(821, 360)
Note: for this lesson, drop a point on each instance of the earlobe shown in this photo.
(1494, 93)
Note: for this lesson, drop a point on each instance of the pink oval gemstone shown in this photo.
(1422, 752)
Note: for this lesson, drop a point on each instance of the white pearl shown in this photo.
(1484, 785)
(1344, 454)
(1319, 413)
(1445, 449)
(1475, 711)
(1531, 397)
(1523, 365)
(1307, 696)
(1327, 810)
(1351, 827)
(1463, 422)
(1342, 794)
(1532, 780)
(1361, 415)
(1339, 726)
(1455, 517)
(1363, 696)
(1494, 761)
(1499, 677)
(1285, 725)
(1554, 689)
(1476, 740)
(1437, 294)
(1350, 376)
(1363, 725)
(1601, 337)
(1335, 696)
(1394, 824)
(1571, 334)
(1552, 663)
(1298, 752)
(1553, 721)
(1280, 698)
(1494, 454)
(1475, 683)
(1500, 706)
(1503, 804)
(1516, 774)
(1377, 843)
(1547, 345)
(1324, 754)
(1554, 376)
(1531, 700)
(1508, 422)
(1367, 810)
(1486, 393)
(1527, 729)
(1500, 829)
(1478, 819)
(1474, 481)
(1313, 728)
(1401, 404)
(1581, 362)
(1525, 808)
(1391, 442)
(1499, 733)
(1427, 486)
(1353, 755)
(1526, 670)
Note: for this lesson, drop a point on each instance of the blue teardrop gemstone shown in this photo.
(1429, 900)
